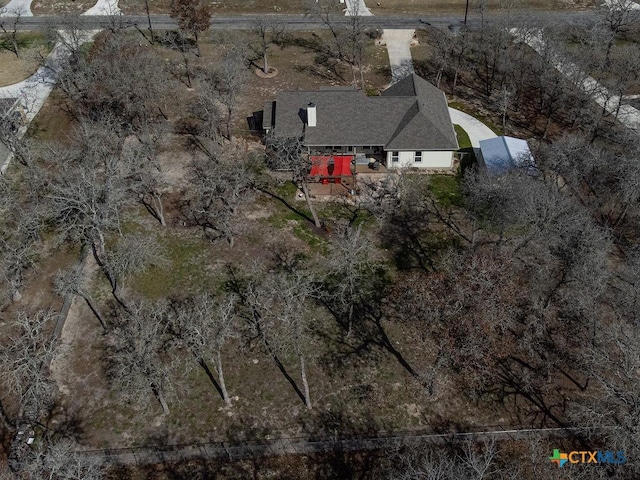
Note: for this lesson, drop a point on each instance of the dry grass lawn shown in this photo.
(396, 7)
(16, 69)
(231, 7)
(353, 390)
(222, 7)
(57, 7)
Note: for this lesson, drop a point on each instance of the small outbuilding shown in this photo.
(500, 154)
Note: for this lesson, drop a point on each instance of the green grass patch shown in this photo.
(463, 137)
(300, 226)
(297, 220)
(446, 190)
(24, 40)
(287, 191)
(342, 213)
(186, 270)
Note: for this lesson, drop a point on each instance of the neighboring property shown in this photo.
(501, 154)
(408, 125)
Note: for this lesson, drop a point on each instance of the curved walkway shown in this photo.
(104, 7)
(15, 7)
(475, 128)
(31, 94)
(357, 7)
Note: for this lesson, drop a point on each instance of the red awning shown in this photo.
(331, 166)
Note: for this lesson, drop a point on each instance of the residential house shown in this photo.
(408, 125)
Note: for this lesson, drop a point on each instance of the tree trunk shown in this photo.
(312, 209)
(160, 397)
(146, 6)
(98, 248)
(229, 116)
(265, 64)
(5, 419)
(159, 209)
(89, 300)
(223, 387)
(155, 207)
(185, 60)
(14, 42)
(305, 383)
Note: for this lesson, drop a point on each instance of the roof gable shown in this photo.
(415, 130)
(433, 110)
(410, 115)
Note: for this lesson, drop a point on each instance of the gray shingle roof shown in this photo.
(410, 115)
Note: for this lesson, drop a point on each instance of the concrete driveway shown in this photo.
(357, 7)
(399, 50)
(475, 128)
(104, 7)
(23, 7)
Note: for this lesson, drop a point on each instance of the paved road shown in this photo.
(305, 22)
(626, 114)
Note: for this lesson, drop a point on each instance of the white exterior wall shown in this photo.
(430, 159)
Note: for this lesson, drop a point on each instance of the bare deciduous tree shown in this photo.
(87, 189)
(24, 374)
(122, 79)
(59, 459)
(348, 41)
(9, 27)
(225, 81)
(140, 361)
(470, 460)
(278, 308)
(218, 189)
(288, 154)
(146, 176)
(350, 268)
(74, 281)
(267, 32)
(25, 363)
(132, 254)
(205, 325)
(18, 237)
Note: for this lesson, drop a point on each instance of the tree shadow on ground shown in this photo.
(65, 421)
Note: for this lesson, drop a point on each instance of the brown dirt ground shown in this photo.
(364, 393)
(298, 70)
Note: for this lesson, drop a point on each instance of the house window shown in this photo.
(417, 157)
(395, 157)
